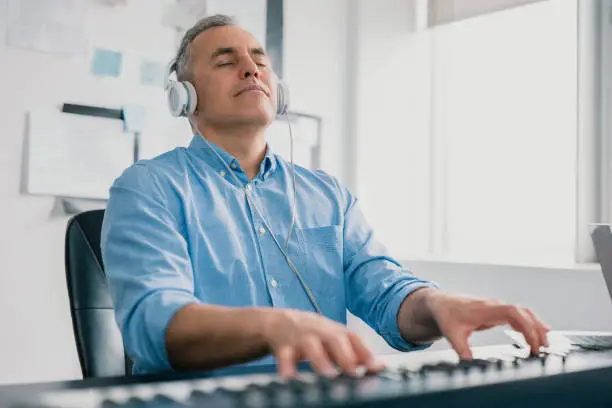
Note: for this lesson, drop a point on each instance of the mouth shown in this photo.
(252, 88)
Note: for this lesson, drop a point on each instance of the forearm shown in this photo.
(415, 319)
(207, 337)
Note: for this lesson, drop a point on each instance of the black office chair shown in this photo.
(98, 339)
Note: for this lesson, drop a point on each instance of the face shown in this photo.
(233, 79)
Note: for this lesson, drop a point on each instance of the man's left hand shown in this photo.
(458, 316)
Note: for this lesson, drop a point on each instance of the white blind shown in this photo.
(392, 123)
(510, 92)
(467, 134)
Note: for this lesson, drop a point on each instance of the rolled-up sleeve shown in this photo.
(376, 283)
(147, 264)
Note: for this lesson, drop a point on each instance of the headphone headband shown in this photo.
(170, 68)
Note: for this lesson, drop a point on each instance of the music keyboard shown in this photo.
(496, 377)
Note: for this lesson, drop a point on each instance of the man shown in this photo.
(196, 263)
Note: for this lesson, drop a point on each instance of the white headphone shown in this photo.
(183, 99)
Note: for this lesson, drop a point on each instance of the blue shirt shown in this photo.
(178, 229)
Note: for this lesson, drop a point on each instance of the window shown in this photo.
(478, 136)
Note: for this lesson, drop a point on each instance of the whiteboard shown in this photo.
(70, 155)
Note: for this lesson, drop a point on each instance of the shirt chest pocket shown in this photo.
(321, 249)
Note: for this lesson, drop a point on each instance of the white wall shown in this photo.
(37, 342)
(391, 108)
(315, 65)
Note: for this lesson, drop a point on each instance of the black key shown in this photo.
(404, 373)
(325, 383)
(427, 367)
(277, 385)
(347, 378)
(440, 367)
(131, 403)
(259, 389)
(254, 395)
(481, 363)
(535, 357)
(163, 401)
(446, 366)
(298, 386)
(220, 394)
(136, 402)
(198, 396)
(465, 365)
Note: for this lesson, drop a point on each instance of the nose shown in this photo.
(248, 68)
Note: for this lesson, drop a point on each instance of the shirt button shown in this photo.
(249, 187)
(233, 165)
(274, 283)
(222, 173)
(262, 230)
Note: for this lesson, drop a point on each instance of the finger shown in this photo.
(541, 335)
(541, 328)
(341, 349)
(365, 355)
(518, 320)
(459, 341)
(522, 322)
(485, 327)
(285, 358)
(313, 350)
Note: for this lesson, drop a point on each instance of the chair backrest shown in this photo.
(98, 339)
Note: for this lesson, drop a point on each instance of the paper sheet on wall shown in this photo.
(52, 26)
(182, 15)
(75, 155)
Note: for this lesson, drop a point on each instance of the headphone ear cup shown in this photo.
(182, 98)
(177, 98)
(282, 98)
(192, 101)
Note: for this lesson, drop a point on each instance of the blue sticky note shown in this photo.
(106, 63)
(134, 118)
(152, 73)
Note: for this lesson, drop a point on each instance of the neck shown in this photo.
(246, 143)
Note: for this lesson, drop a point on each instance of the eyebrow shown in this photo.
(232, 51)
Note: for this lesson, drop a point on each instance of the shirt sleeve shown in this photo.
(376, 283)
(147, 264)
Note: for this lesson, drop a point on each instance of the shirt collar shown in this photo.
(199, 146)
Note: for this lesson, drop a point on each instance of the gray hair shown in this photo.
(182, 56)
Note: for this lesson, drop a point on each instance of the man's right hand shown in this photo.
(294, 335)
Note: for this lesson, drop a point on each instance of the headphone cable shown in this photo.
(250, 200)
